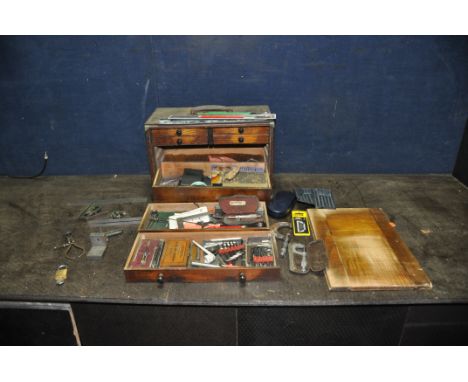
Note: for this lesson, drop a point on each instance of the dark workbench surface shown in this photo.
(431, 213)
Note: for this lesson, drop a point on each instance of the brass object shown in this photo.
(61, 274)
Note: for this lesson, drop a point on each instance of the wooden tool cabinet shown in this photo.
(200, 146)
(172, 148)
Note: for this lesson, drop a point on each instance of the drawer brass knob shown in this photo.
(241, 130)
(178, 132)
(242, 278)
(160, 279)
(241, 139)
(179, 141)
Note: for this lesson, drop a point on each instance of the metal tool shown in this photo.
(117, 214)
(251, 219)
(209, 256)
(203, 265)
(197, 215)
(309, 257)
(69, 244)
(285, 237)
(91, 210)
(218, 118)
(126, 221)
(99, 243)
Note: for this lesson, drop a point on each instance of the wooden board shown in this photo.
(365, 251)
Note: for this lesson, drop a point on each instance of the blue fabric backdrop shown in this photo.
(344, 104)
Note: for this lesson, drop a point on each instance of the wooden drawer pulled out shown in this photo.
(172, 162)
(188, 273)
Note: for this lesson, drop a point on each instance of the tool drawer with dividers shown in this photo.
(207, 152)
(228, 240)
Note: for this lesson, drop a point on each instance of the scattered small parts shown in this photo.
(91, 210)
(118, 214)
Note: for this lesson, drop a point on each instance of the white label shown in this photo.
(237, 203)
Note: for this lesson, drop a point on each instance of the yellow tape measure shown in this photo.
(300, 223)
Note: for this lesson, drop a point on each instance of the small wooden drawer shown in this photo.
(243, 130)
(189, 273)
(241, 135)
(240, 139)
(172, 162)
(145, 225)
(179, 136)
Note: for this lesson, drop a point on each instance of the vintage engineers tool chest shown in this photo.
(202, 167)
(175, 146)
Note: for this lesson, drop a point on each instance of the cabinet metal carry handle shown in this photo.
(203, 108)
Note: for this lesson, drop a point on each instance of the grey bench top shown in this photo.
(431, 213)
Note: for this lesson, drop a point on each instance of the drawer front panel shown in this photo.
(241, 135)
(249, 130)
(239, 139)
(205, 194)
(179, 137)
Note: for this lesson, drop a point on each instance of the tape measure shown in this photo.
(300, 223)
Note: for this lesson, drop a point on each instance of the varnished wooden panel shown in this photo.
(205, 194)
(239, 139)
(179, 136)
(178, 131)
(247, 130)
(365, 251)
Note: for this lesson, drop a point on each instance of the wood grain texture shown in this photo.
(241, 139)
(205, 194)
(365, 251)
(246, 130)
(187, 194)
(174, 140)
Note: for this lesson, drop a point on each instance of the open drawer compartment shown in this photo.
(156, 218)
(243, 170)
(164, 256)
